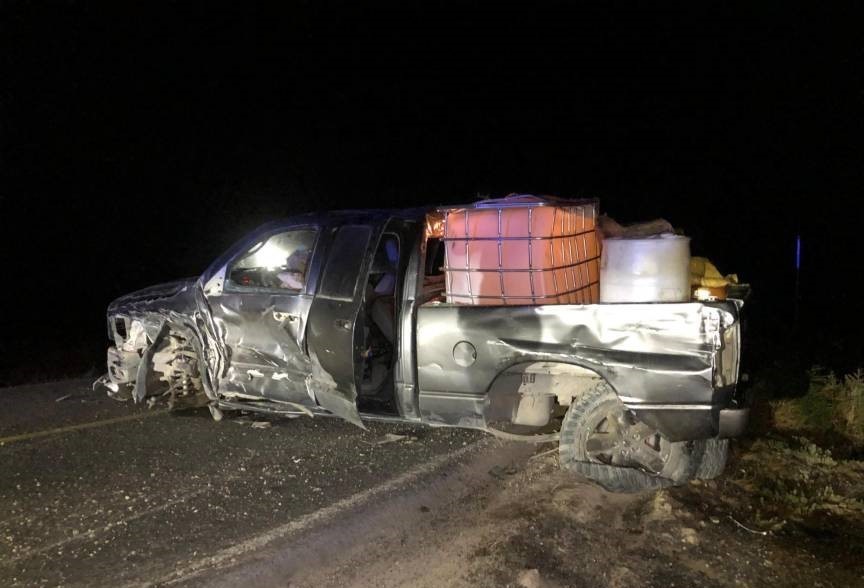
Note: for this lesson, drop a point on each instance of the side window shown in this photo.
(344, 261)
(278, 262)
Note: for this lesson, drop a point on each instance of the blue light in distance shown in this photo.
(798, 252)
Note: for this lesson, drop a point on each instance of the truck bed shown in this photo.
(675, 365)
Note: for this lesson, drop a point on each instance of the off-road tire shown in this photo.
(712, 457)
(679, 467)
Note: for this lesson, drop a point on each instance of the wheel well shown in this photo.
(171, 366)
(525, 392)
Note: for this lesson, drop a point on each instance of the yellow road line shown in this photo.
(79, 427)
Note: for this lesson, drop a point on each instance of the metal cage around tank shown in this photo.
(551, 261)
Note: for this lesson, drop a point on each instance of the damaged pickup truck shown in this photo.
(347, 314)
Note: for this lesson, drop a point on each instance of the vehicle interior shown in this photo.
(379, 312)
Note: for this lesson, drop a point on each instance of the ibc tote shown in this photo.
(522, 249)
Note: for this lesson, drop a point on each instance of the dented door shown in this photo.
(336, 329)
(262, 312)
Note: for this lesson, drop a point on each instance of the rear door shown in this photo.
(336, 331)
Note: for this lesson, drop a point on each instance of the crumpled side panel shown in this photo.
(322, 387)
(263, 337)
(649, 353)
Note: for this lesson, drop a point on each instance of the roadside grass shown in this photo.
(791, 479)
(831, 409)
(801, 467)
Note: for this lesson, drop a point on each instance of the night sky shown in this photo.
(139, 141)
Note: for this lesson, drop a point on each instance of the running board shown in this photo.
(269, 407)
(272, 408)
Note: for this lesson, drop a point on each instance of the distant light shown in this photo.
(798, 252)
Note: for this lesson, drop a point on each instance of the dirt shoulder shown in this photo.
(540, 526)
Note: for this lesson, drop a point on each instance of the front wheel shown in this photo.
(603, 441)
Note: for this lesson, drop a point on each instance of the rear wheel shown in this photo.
(603, 441)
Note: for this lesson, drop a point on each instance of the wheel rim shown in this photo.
(614, 437)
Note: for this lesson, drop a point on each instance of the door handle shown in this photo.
(282, 317)
(343, 324)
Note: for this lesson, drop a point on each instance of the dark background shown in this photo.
(139, 141)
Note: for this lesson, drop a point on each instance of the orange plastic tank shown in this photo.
(522, 250)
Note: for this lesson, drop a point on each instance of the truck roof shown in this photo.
(355, 215)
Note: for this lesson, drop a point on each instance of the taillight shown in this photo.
(730, 355)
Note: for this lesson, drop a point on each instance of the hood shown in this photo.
(159, 293)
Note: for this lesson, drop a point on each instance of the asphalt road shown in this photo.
(99, 493)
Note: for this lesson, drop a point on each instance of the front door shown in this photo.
(336, 328)
(262, 311)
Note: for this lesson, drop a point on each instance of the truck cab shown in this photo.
(308, 313)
